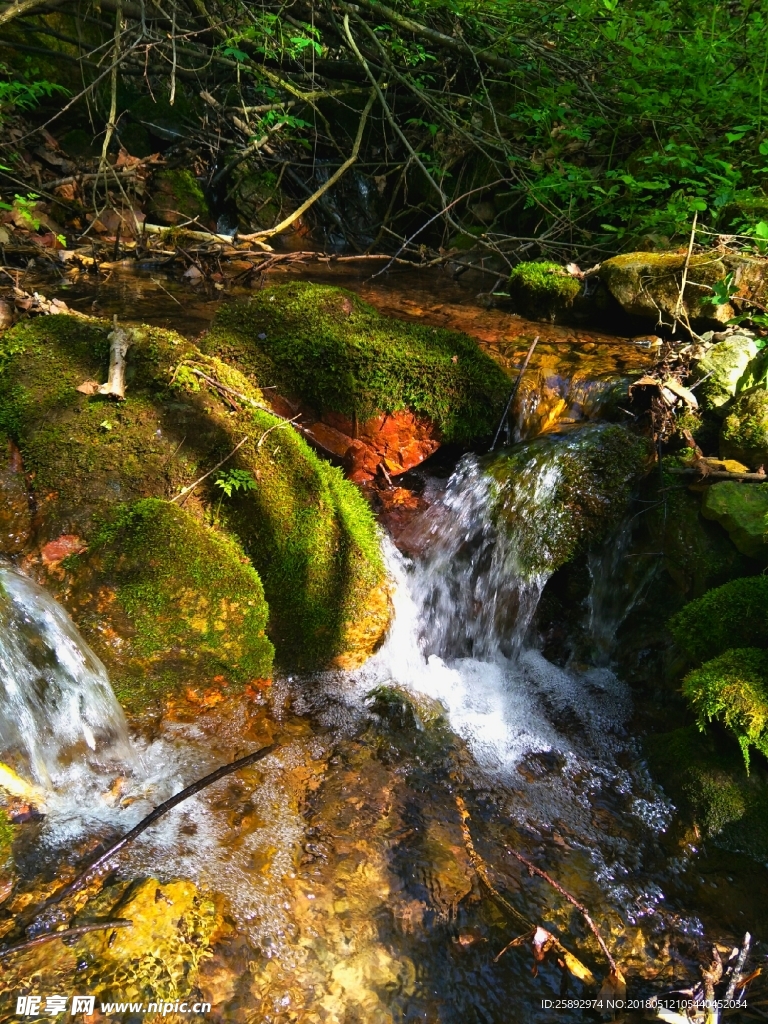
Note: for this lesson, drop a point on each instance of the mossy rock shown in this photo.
(177, 198)
(308, 532)
(648, 284)
(184, 600)
(704, 775)
(724, 369)
(732, 615)
(742, 509)
(562, 493)
(543, 291)
(7, 836)
(744, 434)
(697, 553)
(256, 197)
(733, 689)
(157, 959)
(338, 354)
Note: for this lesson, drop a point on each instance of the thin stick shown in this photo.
(571, 899)
(70, 933)
(152, 817)
(719, 474)
(515, 389)
(739, 967)
(684, 279)
(188, 490)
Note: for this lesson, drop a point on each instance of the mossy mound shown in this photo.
(308, 532)
(177, 197)
(742, 509)
(733, 689)
(705, 777)
(542, 290)
(733, 615)
(744, 434)
(338, 354)
(560, 494)
(194, 605)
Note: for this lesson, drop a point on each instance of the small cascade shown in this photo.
(56, 703)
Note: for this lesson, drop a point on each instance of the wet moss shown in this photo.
(562, 495)
(733, 689)
(178, 197)
(6, 841)
(704, 775)
(337, 353)
(543, 290)
(744, 434)
(732, 615)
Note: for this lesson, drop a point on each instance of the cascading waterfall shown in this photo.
(56, 702)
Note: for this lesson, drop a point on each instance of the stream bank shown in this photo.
(334, 882)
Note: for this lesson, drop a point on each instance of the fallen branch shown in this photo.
(120, 340)
(534, 932)
(719, 474)
(196, 787)
(70, 933)
(515, 389)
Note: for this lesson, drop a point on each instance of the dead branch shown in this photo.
(14, 10)
(120, 340)
(102, 860)
(515, 389)
(719, 474)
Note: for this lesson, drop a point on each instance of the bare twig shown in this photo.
(514, 391)
(69, 933)
(188, 490)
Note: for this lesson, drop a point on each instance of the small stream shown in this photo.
(341, 856)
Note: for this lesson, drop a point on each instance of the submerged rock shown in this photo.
(744, 433)
(742, 509)
(357, 369)
(157, 959)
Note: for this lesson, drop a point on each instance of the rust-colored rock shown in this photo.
(398, 441)
(65, 545)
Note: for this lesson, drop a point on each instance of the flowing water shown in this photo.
(349, 891)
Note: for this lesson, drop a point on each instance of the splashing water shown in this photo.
(56, 703)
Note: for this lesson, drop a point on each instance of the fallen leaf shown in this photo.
(88, 387)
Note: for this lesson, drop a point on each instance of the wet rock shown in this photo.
(741, 509)
(6, 856)
(178, 198)
(744, 433)
(723, 369)
(56, 550)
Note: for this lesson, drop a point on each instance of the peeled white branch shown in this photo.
(120, 340)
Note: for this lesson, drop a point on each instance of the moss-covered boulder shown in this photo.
(733, 689)
(543, 291)
(178, 198)
(256, 197)
(697, 553)
(724, 369)
(744, 433)
(704, 775)
(648, 284)
(308, 532)
(742, 509)
(338, 354)
(183, 600)
(559, 494)
(732, 615)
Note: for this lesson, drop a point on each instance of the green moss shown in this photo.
(543, 289)
(6, 841)
(733, 615)
(733, 689)
(178, 196)
(744, 434)
(741, 509)
(560, 494)
(337, 353)
(706, 779)
(188, 591)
